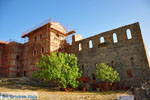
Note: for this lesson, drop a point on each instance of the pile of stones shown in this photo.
(143, 93)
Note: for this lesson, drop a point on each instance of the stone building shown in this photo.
(122, 48)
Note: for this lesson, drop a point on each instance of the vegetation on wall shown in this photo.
(61, 68)
(106, 74)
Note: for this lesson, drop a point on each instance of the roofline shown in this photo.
(69, 33)
(27, 34)
(3, 42)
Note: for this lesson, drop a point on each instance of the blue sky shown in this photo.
(87, 17)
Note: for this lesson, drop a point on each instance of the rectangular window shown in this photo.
(35, 38)
(40, 36)
(42, 50)
(17, 57)
(57, 35)
(34, 52)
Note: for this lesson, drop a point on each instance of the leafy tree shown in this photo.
(106, 74)
(59, 67)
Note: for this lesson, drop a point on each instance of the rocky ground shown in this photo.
(47, 93)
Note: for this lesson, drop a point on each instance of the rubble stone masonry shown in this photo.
(122, 48)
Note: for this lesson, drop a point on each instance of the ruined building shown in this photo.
(122, 48)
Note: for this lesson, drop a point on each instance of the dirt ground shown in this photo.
(46, 93)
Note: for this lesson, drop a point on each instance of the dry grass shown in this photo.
(46, 93)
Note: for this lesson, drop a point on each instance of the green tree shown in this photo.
(61, 68)
(106, 74)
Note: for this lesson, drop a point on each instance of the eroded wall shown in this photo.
(11, 60)
(127, 55)
(38, 44)
(57, 41)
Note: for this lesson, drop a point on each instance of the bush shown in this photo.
(60, 68)
(106, 74)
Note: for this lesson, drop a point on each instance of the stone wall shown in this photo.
(122, 48)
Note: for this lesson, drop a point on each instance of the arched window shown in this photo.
(129, 35)
(102, 40)
(90, 44)
(80, 47)
(115, 38)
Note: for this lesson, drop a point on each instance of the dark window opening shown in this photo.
(40, 36)
(83, 68)
(42, 50)
(25, 73)
(57, 35)
(17, 74)
(17, 67)
(112, 63)
(17, 57)
(35, 38)
(93, 76)
(132, 60)
(34, 52)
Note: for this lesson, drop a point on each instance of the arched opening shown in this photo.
(115, 39)
(129, 73)
(102, 40)
(80, 47)
(90, 44)
(129, 35)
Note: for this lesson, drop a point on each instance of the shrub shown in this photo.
(61, 68)
(106, 74)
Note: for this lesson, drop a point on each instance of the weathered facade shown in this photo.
(20, 59)
(122, 48)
